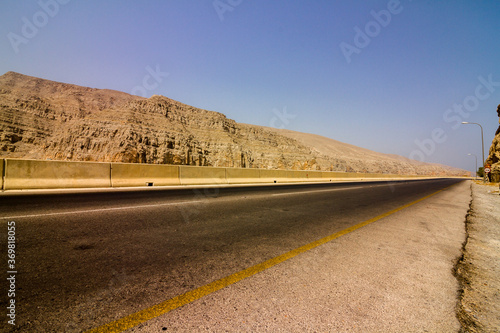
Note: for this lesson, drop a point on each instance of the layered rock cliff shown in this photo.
(41, 119)
(494, 155)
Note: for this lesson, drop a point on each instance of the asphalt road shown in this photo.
(85, 259)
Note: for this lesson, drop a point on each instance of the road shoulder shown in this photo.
(479, 269)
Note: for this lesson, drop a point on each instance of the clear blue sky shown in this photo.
(387, 88)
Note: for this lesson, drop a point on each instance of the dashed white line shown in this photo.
(183, 202)
(99, 210)
(316, 191)
(335, 189)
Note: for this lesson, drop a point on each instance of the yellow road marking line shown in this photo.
(162, 308)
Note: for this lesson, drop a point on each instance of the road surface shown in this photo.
(87, 259)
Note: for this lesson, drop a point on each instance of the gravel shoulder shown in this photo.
(479, 270)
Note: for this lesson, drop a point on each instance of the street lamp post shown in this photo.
(475, 172)
(482, 142)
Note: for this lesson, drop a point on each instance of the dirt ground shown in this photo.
(479, 269)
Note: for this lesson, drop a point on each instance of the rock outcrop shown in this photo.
(494, 154)
(494, 159)
(41, 119)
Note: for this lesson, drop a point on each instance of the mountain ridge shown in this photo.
(43, 119)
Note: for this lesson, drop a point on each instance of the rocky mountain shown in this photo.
(494, 154)
(41, 119)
